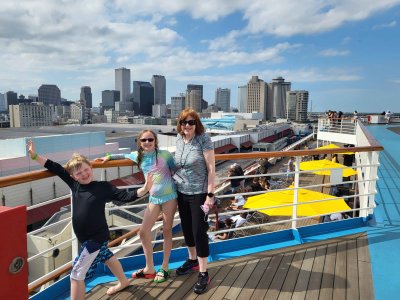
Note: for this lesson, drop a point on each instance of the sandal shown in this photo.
(162, 275)
(140, 274)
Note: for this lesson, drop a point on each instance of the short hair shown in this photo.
(75, 163)
(190, 112)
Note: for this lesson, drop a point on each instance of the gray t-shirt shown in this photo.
(191, 165)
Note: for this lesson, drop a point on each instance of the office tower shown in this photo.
(143, 98)
(223, 99)
(242, 98)
(177, 105)
(276, 104)
(108, 99)
(123, 83)
(86, 96)
(2, 102)
(49, 94)
(159, 85)
(297, 105)
(257, 96)
(10, 98)
(159, 110)
(194, 95)
(30, 115)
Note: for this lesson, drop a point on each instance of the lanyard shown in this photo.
(187, 155)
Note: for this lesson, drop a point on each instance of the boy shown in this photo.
(88, 218)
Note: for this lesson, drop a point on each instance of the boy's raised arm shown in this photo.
(31, 149)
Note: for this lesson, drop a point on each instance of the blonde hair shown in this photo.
(75, 163)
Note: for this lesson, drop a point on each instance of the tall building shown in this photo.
(143, 98)
(242, 98)
(159, 84)
(257, 96)
(177, 105)
(223, 99)
(123, 83)
(108, 99)
(10, 98)
(194, 95)
(30, 115)
(2, 102)
(86, 96)
(276, 104)
(159, 110)
(49, 94)
(297, 105)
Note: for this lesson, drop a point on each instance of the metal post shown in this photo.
(296, 191)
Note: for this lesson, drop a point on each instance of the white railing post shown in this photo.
(74, 243)
(373, 177)
(296, 191)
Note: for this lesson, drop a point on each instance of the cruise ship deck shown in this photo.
(351, 259)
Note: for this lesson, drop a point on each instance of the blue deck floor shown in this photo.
(384, 239)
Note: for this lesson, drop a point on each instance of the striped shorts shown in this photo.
(90, 255)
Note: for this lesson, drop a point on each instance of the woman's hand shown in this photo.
(209, 201)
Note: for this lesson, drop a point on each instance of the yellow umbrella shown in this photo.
(274, 198)
(327, 165)
(333, 146)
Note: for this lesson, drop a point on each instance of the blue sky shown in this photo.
(345, 53)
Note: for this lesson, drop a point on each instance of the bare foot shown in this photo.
(117, 288)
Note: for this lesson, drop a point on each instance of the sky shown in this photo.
(344, 52)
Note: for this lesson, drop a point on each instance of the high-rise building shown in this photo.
(177, 105)
(143, 98)
(194, 95)
(297, 105)
(108, 99)
(86, 96)
(276, 103)
(257, 96)
(223, 99)
(123, 83)
(159, 84)
(30, 115)
(2, 102)
(159, 110)
(10, 98)
(242, 98)
(49, 94)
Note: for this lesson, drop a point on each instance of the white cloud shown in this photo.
(385, 25)
(334, 52)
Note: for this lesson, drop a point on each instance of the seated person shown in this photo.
(238, 202)
(264, 183)
(239, 220)
(222, 236)
(255, 185)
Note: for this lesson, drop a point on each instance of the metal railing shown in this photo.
(366, 165)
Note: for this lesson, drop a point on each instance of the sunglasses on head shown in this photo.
(189, 122)
(147, 140)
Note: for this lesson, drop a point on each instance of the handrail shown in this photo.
(41, 174)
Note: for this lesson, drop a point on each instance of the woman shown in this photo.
(195, 161)
(162, 198)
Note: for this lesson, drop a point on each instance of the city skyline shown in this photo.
(343, 53)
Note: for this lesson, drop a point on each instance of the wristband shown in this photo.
(108, 155)
(34, 156)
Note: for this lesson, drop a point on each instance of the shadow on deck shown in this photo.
(331, 269)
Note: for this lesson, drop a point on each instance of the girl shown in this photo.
(162, 198)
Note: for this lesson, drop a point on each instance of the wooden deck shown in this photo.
(331, 269)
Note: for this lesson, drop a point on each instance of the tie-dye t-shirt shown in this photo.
(163, 188)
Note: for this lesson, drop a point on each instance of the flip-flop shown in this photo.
(161, 273)
(140, 274)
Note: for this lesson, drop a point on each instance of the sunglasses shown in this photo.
(189, 122)
(150, 140)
